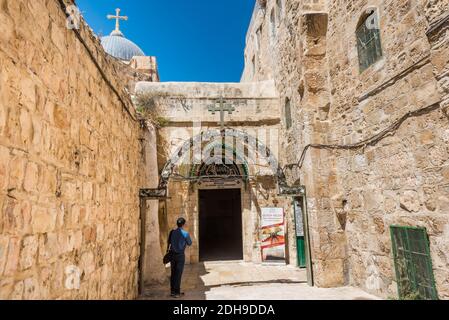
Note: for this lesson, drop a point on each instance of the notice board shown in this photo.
(273, 234)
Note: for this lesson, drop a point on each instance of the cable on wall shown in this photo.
(367, 142)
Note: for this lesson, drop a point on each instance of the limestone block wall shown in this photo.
(354, 195)
(153, 270)
(390, 182)
(70, 161)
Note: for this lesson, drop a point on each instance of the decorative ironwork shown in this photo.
(285, 190)
(249, 140)
(222, 169)
(160, 193)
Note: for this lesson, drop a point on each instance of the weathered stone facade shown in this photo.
(70, 160)
(184, 108)
(355, 193)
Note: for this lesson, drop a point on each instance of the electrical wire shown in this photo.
(367, 142)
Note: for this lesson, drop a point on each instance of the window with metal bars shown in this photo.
(368, 41)
(413, 263)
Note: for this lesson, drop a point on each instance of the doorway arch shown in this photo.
(249, 143)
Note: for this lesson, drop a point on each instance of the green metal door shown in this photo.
(300, 243)
(413, 263)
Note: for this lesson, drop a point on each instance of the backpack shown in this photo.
(168, 257)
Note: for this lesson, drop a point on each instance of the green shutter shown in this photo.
(413, 263)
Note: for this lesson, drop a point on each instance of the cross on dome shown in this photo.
(117, 18)
(116, 44)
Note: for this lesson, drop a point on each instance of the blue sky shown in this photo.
(193, 40)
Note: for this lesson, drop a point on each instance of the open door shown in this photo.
(220, 225)
(304, 251)
(300, 241)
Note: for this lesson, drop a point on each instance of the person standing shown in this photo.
(178, 240)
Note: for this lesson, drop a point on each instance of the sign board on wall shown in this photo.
(273, 234)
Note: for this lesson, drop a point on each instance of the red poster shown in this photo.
(273, 234)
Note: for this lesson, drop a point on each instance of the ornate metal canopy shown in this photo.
(247, 139)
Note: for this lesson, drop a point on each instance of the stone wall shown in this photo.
(70, 161)
(153, 270)
(355, 194)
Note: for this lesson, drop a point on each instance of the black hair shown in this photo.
(181, 222)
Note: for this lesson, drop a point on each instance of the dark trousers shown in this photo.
(177, 267)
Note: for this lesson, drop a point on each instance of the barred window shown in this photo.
(368, 41)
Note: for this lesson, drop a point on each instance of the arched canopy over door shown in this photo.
(229, 161)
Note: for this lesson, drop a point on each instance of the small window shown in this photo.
(273, 25)
(253, 64)
(368, 41)
(258, 37)
(413, 263)
(279, 10)
(288, 114)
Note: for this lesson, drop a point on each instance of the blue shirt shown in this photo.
(179, 240)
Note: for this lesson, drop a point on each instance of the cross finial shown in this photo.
(117, 18)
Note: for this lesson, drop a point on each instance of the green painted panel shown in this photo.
(301, 248)
(413, 263)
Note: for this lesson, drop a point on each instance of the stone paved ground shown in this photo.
(235, 280)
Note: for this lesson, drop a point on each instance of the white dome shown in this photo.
(119, 47)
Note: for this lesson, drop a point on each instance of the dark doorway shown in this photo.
(220, 225)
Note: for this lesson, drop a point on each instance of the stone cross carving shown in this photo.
(117, 18)
(222, 108)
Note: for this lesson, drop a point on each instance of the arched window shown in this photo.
(288, 114)
(368, 40)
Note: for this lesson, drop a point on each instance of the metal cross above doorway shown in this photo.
(222, 108)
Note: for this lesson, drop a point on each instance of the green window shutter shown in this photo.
(413, 263)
